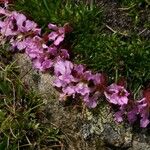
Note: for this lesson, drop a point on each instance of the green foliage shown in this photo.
(54, 11)
(114, 54)
(22, 113)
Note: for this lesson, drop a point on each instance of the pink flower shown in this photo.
(18, 20)
(42, 64)
(34, 48)
(87, 75)
(143, 110)
(13, 24)
(100, 80)
(4, 11)
(63, 70)
(52, 27)
(20, 44)
(16, 23)
(52, 50)
(82, 88)
(62, 67)
(119, 116)
(91, 101)
(59, 83)
(8, 28)
(78, 70)
(52, 36)
(57, 35)
(24, 25)
(131, 112)
(64, 54)
(69, 91)
(116, 94)
(31, 26)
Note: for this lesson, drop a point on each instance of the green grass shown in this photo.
(55, 11)
(22, 113)
(117, 52)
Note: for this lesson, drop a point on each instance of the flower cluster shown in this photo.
(73, 80)
(76, 81)
(133, 110)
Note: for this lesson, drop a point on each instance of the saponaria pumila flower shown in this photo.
(76, 81)
(136, 109)
(116, 94)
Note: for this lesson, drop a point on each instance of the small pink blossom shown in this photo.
(78, 70)
(91, 101)
(52, 27)
(62, 70)
(143, 110)
(119, 116)
(52, 50)
(64, 54)
(31, 26)
(20, 44)
(42, 64)
(18, 20)
(59, 83)
(4, 11)
(82, 88)
(116, 94)
(16, 23)
(58, 35)
(131, 112)
(69, 91)
(62, 67)
(88, 75)
(7, 27)
(34, 48)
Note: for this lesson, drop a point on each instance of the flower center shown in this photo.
(121, 93)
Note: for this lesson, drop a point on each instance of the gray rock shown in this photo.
(83, 130)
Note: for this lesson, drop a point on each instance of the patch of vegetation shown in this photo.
(102, 48)
(23, 120)
(117, 57)
(56, 11)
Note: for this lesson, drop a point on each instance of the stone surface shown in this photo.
(83, 129)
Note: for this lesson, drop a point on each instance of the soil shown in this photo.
(121, 18)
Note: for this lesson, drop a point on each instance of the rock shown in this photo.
(141, 139)
(83, 129)
(140, 146)
(102, 124)
(28, 75)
